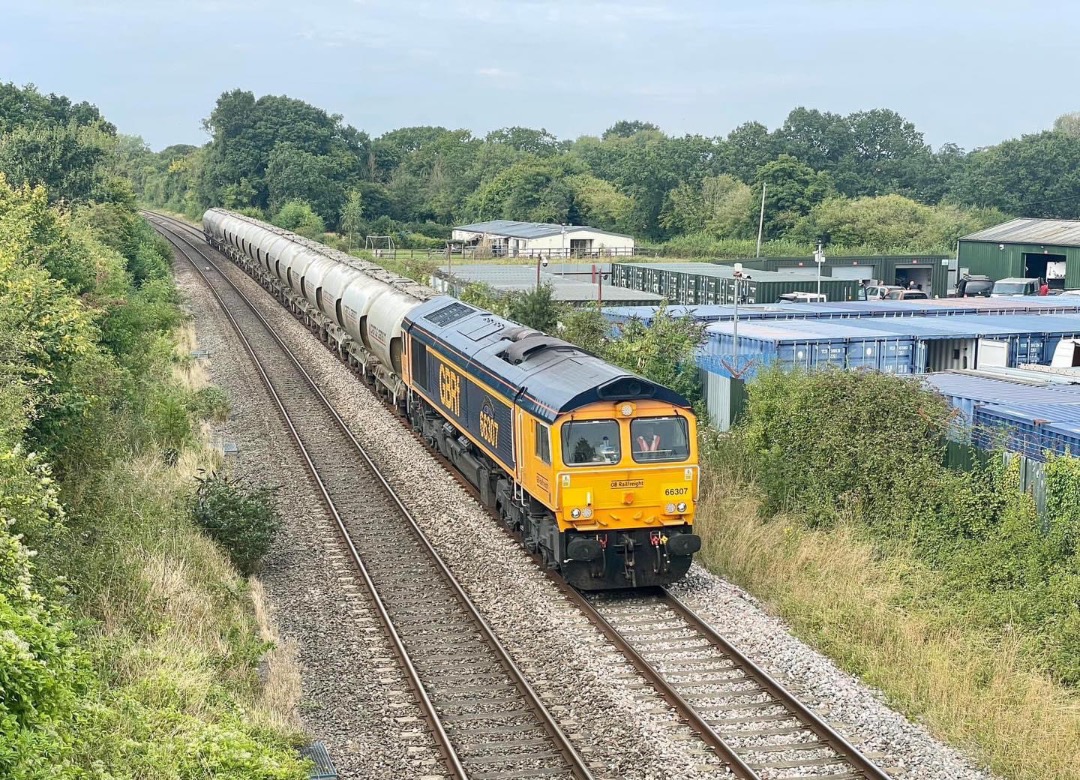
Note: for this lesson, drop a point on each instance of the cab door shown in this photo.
(534, 458)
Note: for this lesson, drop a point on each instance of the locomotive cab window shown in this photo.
(543, 441)
(594, 442)
(655, 439)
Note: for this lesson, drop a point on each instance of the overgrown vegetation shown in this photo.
(242, 518)
(832, 501)
(128, 644)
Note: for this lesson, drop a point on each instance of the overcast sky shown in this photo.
(972, 72)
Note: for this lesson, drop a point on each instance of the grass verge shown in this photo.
(862, 609)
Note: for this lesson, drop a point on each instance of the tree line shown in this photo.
(866, 179)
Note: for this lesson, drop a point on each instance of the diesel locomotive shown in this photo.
(596, 468)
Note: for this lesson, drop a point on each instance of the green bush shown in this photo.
(865, 451)
(243, 519)
(300, 218)
(210, 403)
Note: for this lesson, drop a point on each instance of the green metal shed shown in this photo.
(702, 283)
(1031, 248)
(931, 271)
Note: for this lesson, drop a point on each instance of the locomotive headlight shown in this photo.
(626, 410)
(670, 509)
(588, 512)
(682, 506)
(575, 513)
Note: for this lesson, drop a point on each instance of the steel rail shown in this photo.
(807, 717)
(683, 708)
(576, 765)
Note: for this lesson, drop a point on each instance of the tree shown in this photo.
(1068, 124)
(891, 223)
(535, 309)
(792, 189)
(532, 190)
(1036, 175)
(352, 216)
(586, 328)
(295, 174)
(747, 148)
(664, 351)
(301, 219)
(626, 128)
(598, 203)
(524, 139)
(246, 132)
(68, 160)
(721, 206)
(821, 140)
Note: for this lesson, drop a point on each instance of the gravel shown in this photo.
(353, 692)
(615, 720)
(610, 714)
(900, 747)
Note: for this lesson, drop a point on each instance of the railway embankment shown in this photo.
(129, 645)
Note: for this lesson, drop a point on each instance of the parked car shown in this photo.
(907, 295)
(879, 292)
(802, 297)
(974, 287)
(1014, 286)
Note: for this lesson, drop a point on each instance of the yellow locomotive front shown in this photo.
(624, 489)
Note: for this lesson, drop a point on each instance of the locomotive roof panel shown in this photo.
(547, 376)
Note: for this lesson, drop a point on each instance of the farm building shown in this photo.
(530, 239)
(1028, 248)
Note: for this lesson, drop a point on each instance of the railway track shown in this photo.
(486, 719)
(759, 729)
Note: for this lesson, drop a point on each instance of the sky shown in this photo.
(970, 72)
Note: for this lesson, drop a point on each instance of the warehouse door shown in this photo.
(1048, 267)
(860, 272)
(921, 275)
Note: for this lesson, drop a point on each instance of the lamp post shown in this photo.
(565, 256)
(737, 276)
(540, 260)
(819, 260)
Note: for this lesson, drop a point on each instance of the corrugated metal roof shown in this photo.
(1057, 232)
(998, 391)
(1058, 414)
(1040, 307)
(958, 327)
(506, 227)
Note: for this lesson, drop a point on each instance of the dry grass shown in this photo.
(188, 372)
(174, 636)
(973, 691)
(281, 690)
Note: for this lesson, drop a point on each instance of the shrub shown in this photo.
(210, 403)
(300, 218)
(243, 519)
